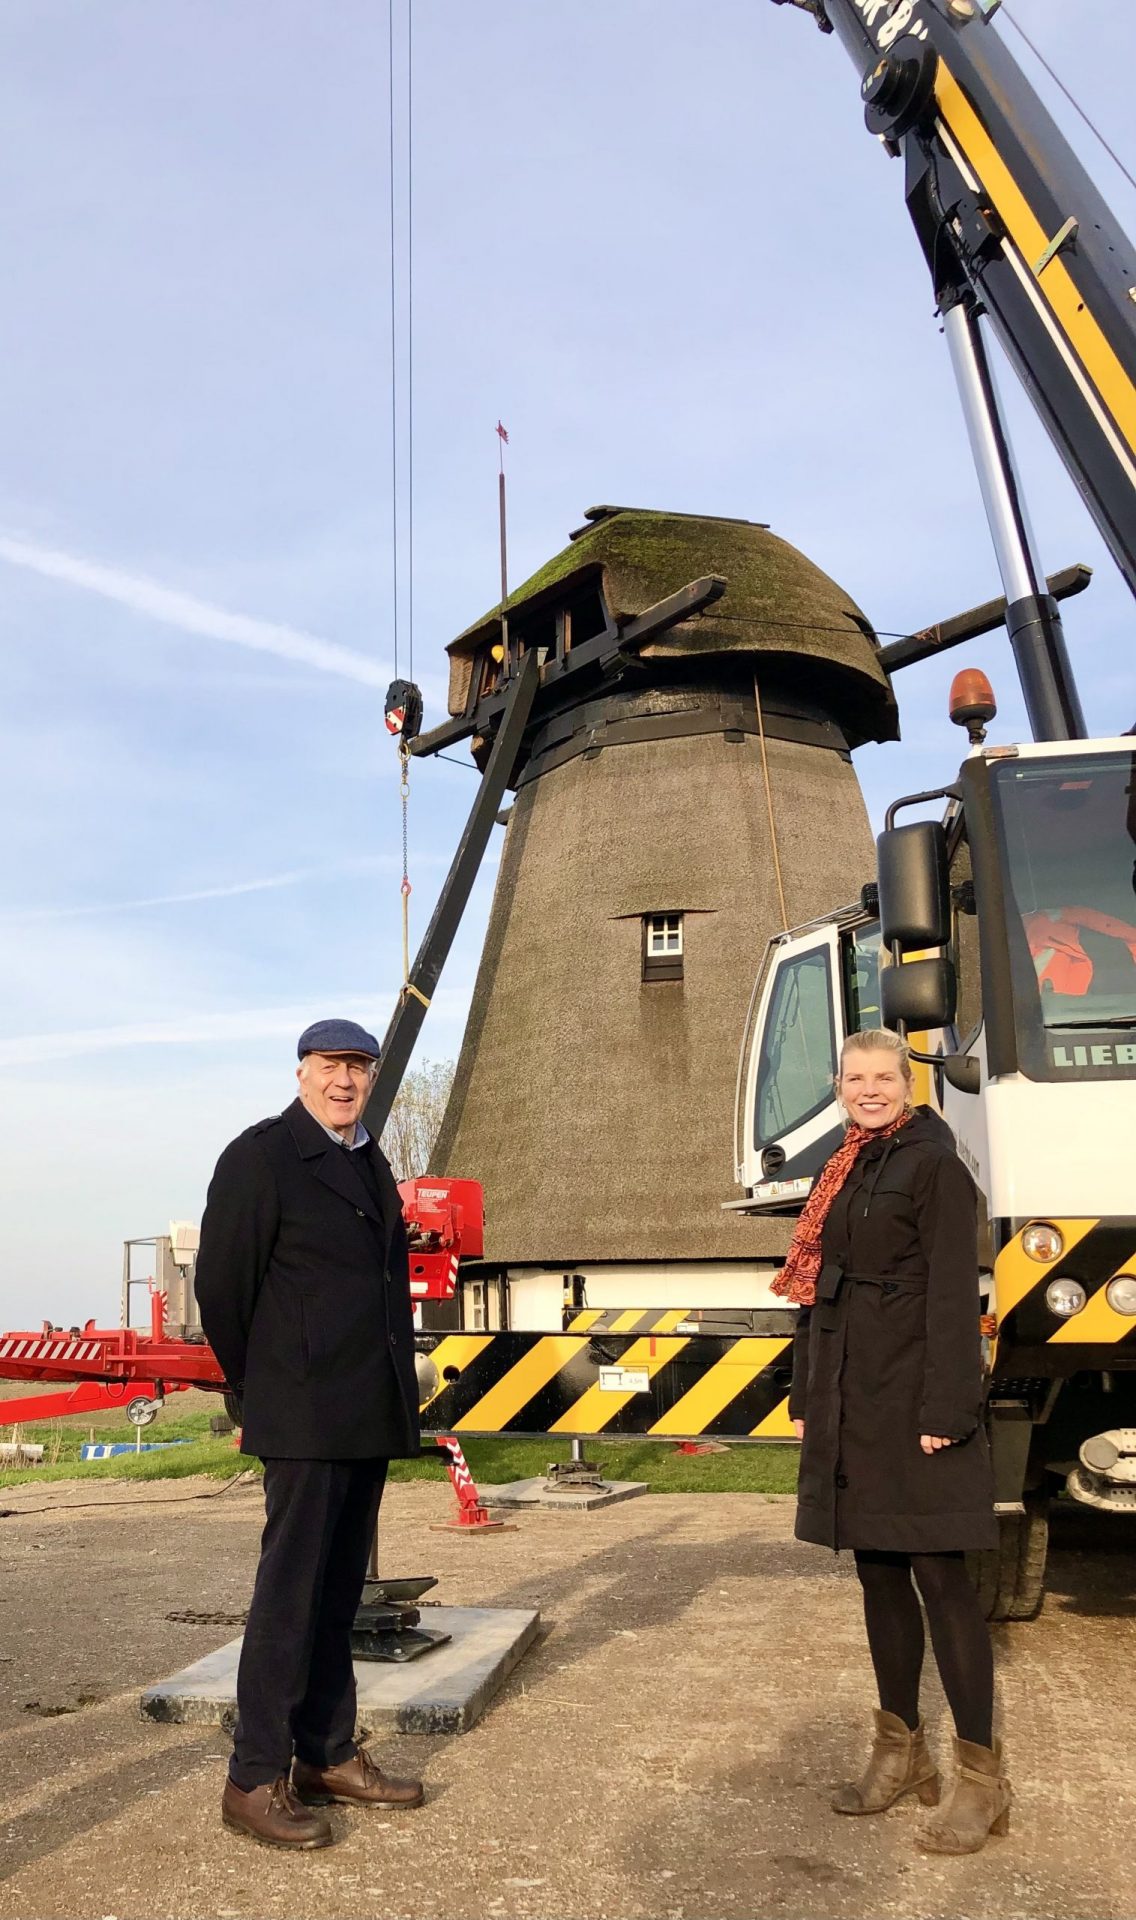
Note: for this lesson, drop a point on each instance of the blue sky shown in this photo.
(653, 238)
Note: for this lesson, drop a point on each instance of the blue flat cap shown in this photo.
(337, 1036)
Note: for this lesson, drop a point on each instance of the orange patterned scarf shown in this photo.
(798, 1277)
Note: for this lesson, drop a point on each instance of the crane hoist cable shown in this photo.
(403, 717)
(403, 712)
(393, 330)
(401, 337)
(1070, 97)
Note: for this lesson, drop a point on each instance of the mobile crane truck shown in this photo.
(1007, 929)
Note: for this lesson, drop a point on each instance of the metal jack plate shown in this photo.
(387, 1622)
(567, 1475)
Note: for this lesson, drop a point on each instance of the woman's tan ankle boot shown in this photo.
(978, 1806)
(899, 1763)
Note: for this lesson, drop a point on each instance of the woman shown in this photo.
(887, 1402)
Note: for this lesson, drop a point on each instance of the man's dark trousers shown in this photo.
(296, 1682)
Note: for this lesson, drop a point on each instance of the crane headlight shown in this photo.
(1121, 1293)
(1043, 1242)
(1065, 1298)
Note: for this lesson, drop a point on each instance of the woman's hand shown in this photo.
(931, 1442)
(799, 1429)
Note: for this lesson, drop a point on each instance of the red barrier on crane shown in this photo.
(445, 1223)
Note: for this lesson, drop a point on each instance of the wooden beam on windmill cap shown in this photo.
(670, 612)
(933, 640)
(607, 652)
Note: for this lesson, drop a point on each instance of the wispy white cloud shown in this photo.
(20, 916)
(232, 1029)
(376, 863)
(189, 614)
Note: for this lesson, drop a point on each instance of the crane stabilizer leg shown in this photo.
(1032, 619)
(416, 995)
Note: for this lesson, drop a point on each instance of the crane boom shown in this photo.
(1010, 221)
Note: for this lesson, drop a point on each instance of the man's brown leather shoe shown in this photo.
(357, 1782)
(274, 1816)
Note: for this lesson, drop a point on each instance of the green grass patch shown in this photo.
(743, 1469)
(207, 1453)
(216, 1458)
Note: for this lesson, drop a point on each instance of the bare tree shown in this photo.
(409, 1135)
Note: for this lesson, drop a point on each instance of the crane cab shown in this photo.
(816, 985)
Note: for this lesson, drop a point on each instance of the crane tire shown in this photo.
(1010, 1578)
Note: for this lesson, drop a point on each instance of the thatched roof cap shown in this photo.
(777, 603)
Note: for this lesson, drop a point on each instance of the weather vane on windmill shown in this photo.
(502, 443)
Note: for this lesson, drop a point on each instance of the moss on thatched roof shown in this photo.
(776, 600)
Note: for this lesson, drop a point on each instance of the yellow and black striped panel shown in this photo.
(1095, 1252)
(688, 1386)
(628, 1319)
(1073, 316)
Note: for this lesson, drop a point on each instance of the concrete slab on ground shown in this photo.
(444, 1691)
(538, 1493)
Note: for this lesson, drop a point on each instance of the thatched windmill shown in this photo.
(673, 811)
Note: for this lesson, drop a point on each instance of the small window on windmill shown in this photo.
(476, 1306)
(584, 618)
(491, 668)
(662, 946)
(536, 635)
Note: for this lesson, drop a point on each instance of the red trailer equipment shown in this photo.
(109, 1367)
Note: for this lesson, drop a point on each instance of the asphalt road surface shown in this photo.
(667, 1750)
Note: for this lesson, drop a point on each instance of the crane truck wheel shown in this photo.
(1010, 1578)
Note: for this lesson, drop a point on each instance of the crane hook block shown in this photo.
(404, 709)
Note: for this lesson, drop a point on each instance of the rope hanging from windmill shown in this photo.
(403, 708)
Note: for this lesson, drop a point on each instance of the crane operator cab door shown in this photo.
(814, 988)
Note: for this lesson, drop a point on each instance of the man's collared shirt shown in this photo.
(362, 1137)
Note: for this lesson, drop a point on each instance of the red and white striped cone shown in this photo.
(471, 1516)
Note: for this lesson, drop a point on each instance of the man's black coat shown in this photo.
(303, 1284)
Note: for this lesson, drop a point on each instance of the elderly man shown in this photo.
(303, 1285)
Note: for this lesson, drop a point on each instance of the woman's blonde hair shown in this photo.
(878, 1040)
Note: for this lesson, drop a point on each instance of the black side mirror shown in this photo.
(914, 883)
(919, 994)
(963, 1072)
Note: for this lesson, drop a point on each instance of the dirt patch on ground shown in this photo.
(665, 1753)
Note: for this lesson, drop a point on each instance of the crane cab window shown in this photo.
(798, 1054)
(1067, 828)
(860, 963)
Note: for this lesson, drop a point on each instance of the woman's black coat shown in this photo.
(303, 1283)
(891, 1350)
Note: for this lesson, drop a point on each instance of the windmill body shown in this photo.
(674, 810)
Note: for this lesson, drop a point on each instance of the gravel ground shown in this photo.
(666, 1751)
